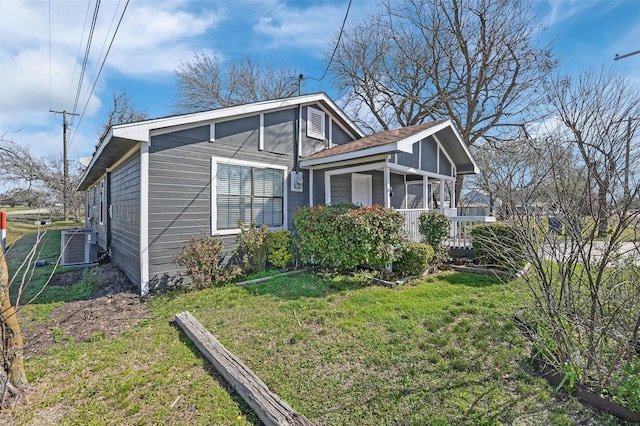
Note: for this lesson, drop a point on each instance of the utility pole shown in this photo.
(65, 163)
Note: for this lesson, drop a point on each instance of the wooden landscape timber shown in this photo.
(271, 410)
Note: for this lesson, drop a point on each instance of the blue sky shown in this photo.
(42, 45)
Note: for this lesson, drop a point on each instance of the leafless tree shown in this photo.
(476, 62)
(599, 112)
(123, 111)
(583, 282)
(19, 168)
(205, 83)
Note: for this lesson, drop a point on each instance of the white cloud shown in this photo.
(314, 27)
(42, 48)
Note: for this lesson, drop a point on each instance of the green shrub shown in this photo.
(281, 248)
(345, 236)
(253, 246)
(203, 258)
(497, 244)
(414, 259)
(435, 227)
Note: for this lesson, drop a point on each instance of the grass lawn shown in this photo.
(438, 351)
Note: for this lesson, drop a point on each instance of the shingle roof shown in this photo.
(378, 139)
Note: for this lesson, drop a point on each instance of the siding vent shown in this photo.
(315, 123)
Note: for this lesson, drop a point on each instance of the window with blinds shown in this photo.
(249, 194)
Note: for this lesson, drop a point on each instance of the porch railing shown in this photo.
(461, 226)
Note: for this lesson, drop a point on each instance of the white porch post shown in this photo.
(425, 192)
(387, 185)
(441, 195)
(311, 187)
(452, 192)
(327, 188)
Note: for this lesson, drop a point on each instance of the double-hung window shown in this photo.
(247, 192)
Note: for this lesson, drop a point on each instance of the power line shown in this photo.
(84, 28)
(344, 21)
(86, 54)
(100, 70)
(615, 58)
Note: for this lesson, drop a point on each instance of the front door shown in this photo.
(361, 189)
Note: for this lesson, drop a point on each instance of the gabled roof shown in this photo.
(122, 138)
(400, 140)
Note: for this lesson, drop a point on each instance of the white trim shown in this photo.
(214, 171)
(261, 134)
(144, 218)
(373, 160)
(212, 132)
(141, 131)
(425, 192)
(330, 131)
(327, 188)
(299, 131)
(367, 152)
(356, 169)
(446, 154)
(387, 185)
(410, 170)
(369, 187)
(311, 187)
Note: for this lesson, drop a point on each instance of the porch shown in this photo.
(461, 227)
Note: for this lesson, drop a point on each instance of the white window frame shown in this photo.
(311, 132)
(214, 193)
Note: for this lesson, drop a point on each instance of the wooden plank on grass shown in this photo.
(268, 406)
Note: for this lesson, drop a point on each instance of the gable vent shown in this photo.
(315, 123)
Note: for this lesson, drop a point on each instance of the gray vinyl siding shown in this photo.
(397, 183)
(125, 217)
(339, 136)
(297, 199)
(409, 159)
(341, 188)
(180, 185)
(280, 131)
(239, 132)
(93, 216)
(318, 187)
(429, 154)
(445, 165)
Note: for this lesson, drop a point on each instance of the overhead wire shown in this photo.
(86, 56)
(50, 72)
(84, 28)
(99, 71)
(335, 49)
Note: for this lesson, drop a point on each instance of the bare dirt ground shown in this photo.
(106, 313)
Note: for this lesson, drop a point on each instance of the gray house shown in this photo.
(153, 184)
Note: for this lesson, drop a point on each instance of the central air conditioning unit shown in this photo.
(78, 247)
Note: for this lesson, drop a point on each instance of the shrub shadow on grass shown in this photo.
(311, 284)
(246, 412)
